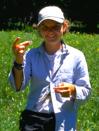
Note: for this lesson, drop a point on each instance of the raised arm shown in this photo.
(18, 51)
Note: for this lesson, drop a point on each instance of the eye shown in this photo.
(57, 27)
(43, 28)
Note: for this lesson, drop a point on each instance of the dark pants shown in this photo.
(36, 121)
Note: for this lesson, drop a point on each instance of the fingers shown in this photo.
(19, 49)
(16, 41)
(64, 89)
(65, 92)
(26, 43)
(23, 44)
(63, 85)
(60, 89)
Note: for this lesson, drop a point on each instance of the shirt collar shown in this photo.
(64, 49)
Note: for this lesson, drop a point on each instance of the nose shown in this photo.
(51, 32)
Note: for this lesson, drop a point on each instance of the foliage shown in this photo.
(13, 11)
(13, 103)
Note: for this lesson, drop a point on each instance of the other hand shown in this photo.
(66, 89)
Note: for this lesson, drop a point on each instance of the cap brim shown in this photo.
(59, 20)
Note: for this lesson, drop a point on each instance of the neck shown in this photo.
(52, 48)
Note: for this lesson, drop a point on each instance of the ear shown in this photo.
(66, 26)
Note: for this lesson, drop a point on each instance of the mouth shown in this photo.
(51, 38)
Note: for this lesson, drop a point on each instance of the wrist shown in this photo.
(18, 66)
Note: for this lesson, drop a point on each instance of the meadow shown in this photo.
(12, 103)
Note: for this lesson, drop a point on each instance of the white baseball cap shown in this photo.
(52, 13)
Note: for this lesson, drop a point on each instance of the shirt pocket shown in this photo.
(65, 76)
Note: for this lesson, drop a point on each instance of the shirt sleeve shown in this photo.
(82, 82)
(26, 74)
(11, 80)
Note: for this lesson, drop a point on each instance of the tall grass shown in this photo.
(12, 103)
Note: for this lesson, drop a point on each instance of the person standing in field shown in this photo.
(57, 75)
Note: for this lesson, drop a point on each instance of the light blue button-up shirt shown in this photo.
(71, 68)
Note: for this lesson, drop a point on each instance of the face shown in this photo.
(51, 31)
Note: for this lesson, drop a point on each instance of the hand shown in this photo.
(19, 49)
(66, 89)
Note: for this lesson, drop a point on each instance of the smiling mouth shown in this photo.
(51, 38)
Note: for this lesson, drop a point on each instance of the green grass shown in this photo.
(12, 103)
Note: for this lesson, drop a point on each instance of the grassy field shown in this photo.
(12, 103)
